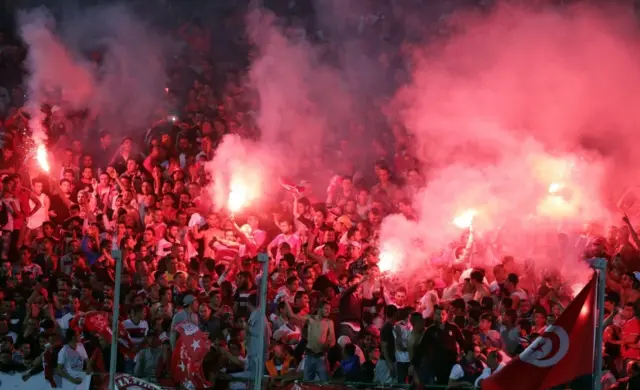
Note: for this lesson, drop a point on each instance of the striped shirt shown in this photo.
(137, 332)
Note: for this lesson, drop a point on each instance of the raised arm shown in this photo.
(632, 231)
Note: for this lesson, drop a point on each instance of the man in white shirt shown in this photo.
(288, 292)
(71, 361)
(74, 310)
(169, 240)
(287, 236)
(401, 332)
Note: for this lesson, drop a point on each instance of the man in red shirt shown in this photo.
(630, 336)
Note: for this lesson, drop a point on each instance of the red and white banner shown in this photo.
(128, 382)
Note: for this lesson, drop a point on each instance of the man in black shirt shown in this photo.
(351, 309)
(385, 369)
(439, 348)
(245, 288)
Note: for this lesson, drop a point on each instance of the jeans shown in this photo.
(316, 365)
(129, 366)
(402, 372)
(382, 374)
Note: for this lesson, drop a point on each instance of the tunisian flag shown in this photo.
(562, 353)
(186, 362)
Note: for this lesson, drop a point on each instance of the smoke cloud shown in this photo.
(514, 105)
(105, 59)
(303, 106)
(315, 96)
(525, 116)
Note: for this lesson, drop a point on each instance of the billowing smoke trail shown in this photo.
(302, 99)
(132, 73)
(104, 59)
(53, 74)
(303, 104)
(513, 107)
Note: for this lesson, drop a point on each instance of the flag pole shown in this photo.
(264, 259)
(114, 325)
(600, 265)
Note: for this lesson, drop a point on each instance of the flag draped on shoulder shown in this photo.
(562, 353)
(191, 348)
(98, 323)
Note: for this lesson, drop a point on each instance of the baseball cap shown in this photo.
(346, 221)
(187, 300)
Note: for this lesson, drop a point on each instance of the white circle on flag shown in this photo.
(548, 349)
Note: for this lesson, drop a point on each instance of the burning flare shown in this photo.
(465, 219)
(554, 188)
(238, 196)
(42, 158)
(389, 257)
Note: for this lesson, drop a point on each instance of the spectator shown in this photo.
(72, 359)
(144, 201)
(189, 313)
(320, 338)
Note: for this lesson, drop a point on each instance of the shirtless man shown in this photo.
(320, 338)
(212, 233)
(625, 288)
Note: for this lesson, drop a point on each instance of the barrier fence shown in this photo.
(129, 382)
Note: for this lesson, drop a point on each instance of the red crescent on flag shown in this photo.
(548, 349)
(555, 345)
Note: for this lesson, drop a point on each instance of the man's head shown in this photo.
(628, 311)
(136, 313)
(189, 302)
(472, 352)
(476, 278)
(417, 321)
(611, 300)
(65, 186)
(440, 315)
(486, 322)
(391, 312)
(400, 296)
(132, 166)
(512, 282)
(172, 230)
(330, 249)
(627, 280)
(324, 309)
(215, 298)
(510, 317)
(204, 311)
(499, 273)
(293, 284)
(105, 138)
(71, 336)
(38, 186)
(301, 300)
(213, 220)
(285, 226)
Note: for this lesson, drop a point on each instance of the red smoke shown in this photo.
(514, 101)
